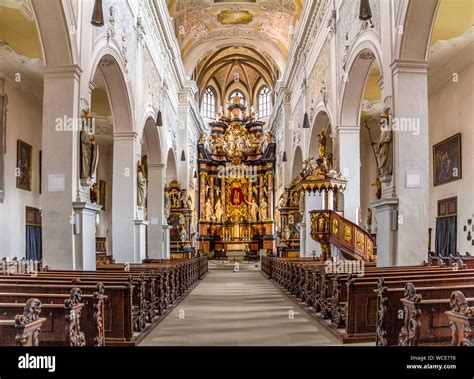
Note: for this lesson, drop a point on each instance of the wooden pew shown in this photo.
(24, 330)
(63, 325)
(461, 320)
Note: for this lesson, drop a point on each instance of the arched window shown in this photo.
(209, 103)
(264, 102)
(239, 94)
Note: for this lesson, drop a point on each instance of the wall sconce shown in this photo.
(159, 119)
(195, 174)
(284, 159)
(183, 156)
(98, 14)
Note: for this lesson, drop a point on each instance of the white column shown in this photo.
(124, 197)
(156, 185)
(349, 165)
(60, 167)
(411, 152)
(166, 242)
(312, 201)
(140, 240)
(84, 235)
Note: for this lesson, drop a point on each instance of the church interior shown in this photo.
(243, 173)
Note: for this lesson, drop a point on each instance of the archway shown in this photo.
(297, 165)
(171, 172)
(110, 92)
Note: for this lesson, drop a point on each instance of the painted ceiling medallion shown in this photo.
(234, 17)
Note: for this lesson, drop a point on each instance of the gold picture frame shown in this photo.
(24, 167)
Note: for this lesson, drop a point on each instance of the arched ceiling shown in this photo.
(204, 26)
(231, 67)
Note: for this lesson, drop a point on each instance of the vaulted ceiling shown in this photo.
(206, 26)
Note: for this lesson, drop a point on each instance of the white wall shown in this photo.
(24, 120)
(451, 111)
(104, 229)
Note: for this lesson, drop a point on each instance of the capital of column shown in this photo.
(349, 129)
(156, 166)
(125, 136)
(399, 66)
(59, 72)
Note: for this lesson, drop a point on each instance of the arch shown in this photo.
(365, 50)
(153, 142)
(53, 28)
(297, 160)
(416, 20)
(322, 120)
(264, 101)
(171, 171)
(201, 50)
(112, 71)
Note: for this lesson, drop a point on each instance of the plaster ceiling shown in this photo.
(19, 32)
(202, 26)
(453, 19)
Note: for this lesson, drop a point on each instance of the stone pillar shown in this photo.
(349, 165)
(60, 170)
(140, 240)
(202, 195)
(85, 214)
(312, 201)
(166, 242)
(411, 152)
(156, 190)
(124, 197)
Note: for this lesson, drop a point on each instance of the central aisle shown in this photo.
(237, 309)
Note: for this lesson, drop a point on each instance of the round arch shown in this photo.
(153, 141)
(321, 121)
(171, 171)
(297, 160)
(55, 37)
(415, 25)
(364, 52)
(108, 65)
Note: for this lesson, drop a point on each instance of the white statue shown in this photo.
(263, 210)
(218, 211)
(167, 205)
(253, 210)
(141, 186)
(208, 210)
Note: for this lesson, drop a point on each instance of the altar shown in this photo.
(236, 167)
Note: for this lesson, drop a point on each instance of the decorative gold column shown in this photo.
(202, 195)
(211, 189)
(270, 194)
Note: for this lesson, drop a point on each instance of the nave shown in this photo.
(238, 308)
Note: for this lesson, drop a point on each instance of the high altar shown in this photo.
(236, 172)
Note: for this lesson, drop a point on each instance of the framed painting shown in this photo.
(447, 164)
(23, 165)
(102, 193)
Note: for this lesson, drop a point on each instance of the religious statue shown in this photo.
(263, 210)
(141, 185)
(183, 234)
(208, 210)
(253, 210)
(218, 211)
(384, 146)
(378, 188)
(283, 200)
(286, 232)
(89, 157)
(322, 144)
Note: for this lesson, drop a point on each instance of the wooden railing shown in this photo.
(329, 227)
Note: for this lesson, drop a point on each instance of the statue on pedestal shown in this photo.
(141, 185)
(89, 157)
(208, 210)
(218, 211)
(384, 147)
(253, 210)
(263, 210)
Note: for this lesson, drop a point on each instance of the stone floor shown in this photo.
(240, 308)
